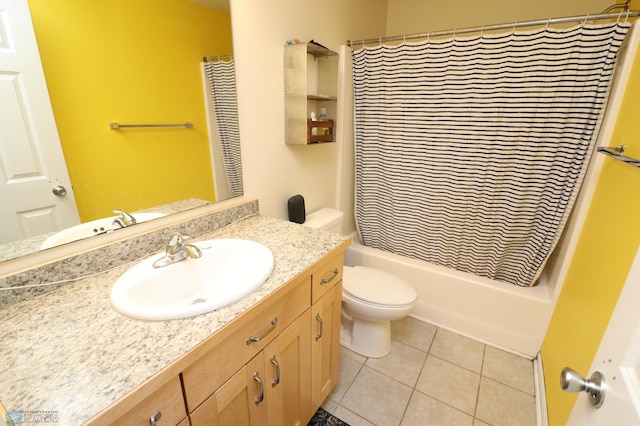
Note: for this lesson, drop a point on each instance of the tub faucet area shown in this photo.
(177, 251)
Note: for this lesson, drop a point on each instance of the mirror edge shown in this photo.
(43, 257)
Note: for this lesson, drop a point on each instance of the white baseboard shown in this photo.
(541, 394)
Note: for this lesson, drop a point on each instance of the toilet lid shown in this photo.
(376, 286)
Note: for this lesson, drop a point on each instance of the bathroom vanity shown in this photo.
(269, 358)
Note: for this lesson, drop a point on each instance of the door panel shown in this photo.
(31, 158)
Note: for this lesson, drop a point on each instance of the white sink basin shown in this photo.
(227, 271)
(89, 229)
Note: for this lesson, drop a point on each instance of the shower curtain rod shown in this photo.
(580, 18)
(216, 58)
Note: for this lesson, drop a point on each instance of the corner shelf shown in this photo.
(311, 82)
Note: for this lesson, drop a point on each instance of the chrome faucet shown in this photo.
(124, 220)
(176, 251)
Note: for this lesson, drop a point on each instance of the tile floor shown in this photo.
(434, 377)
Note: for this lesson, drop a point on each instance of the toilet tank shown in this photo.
(326, 219)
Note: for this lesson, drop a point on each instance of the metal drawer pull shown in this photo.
(327, 281)
(154, 418)
(253, 339)
(260, 397)
(318, 318)
(277, 379)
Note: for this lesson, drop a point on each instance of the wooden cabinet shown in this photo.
(325, 352)
(273, 365)
(326, 284)
(311, 84)
(237, 402)
(233, 346)
(288, 372)
(274, 385)
(166, 406)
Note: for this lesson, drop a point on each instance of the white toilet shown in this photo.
(371, 298)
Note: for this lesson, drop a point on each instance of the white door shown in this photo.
(618, 358)
(31, 159)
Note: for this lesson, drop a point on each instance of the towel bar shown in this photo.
(116, 126)
(617, 152)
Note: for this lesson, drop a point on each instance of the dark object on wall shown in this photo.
(296, 209)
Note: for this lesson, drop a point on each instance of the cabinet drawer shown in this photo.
(167, 400)
(207, 374)
(326, 275)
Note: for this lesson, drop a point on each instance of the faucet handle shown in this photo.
(125, 219)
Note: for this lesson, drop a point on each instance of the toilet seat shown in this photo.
(377, 287)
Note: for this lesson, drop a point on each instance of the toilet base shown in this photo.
(368, 338)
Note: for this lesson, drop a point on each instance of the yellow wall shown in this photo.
(130, 62)
(604, 254)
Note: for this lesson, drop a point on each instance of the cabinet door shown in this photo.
(166, 404)
(287, 366)
(239, 401)
(325, 345)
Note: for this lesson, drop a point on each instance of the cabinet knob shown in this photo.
(319, 319)
(277, 366)
(154, 418)
(260, 397)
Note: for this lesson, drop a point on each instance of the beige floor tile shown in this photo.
(424, 410)
(377, 398)
(403, 363)
(352, 355)
(501, 405)
(449, 383)
(413, 332)
(351, 418)
(508, 369)
(329, 405)
(477, 422)
(346, 374)
(457, 349)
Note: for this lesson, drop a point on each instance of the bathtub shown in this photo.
(494, 312)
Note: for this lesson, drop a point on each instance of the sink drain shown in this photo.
(199, 300)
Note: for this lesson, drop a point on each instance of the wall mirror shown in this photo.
(131, 63)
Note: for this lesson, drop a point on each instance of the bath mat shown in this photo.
(323, 418)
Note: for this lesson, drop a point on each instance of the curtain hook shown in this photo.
(546, 27)
(404, 38)
(586, 19)
(626, 18)
(380, 41)
(455, 30)
(482, 32)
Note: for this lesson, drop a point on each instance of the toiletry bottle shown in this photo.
(314, 130)
(323, 117)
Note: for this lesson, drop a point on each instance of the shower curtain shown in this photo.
(222, 82)
(470, 151)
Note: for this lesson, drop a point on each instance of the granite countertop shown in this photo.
(69, 352)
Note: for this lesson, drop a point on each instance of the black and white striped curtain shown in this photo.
(222, 80)
(470, 151)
